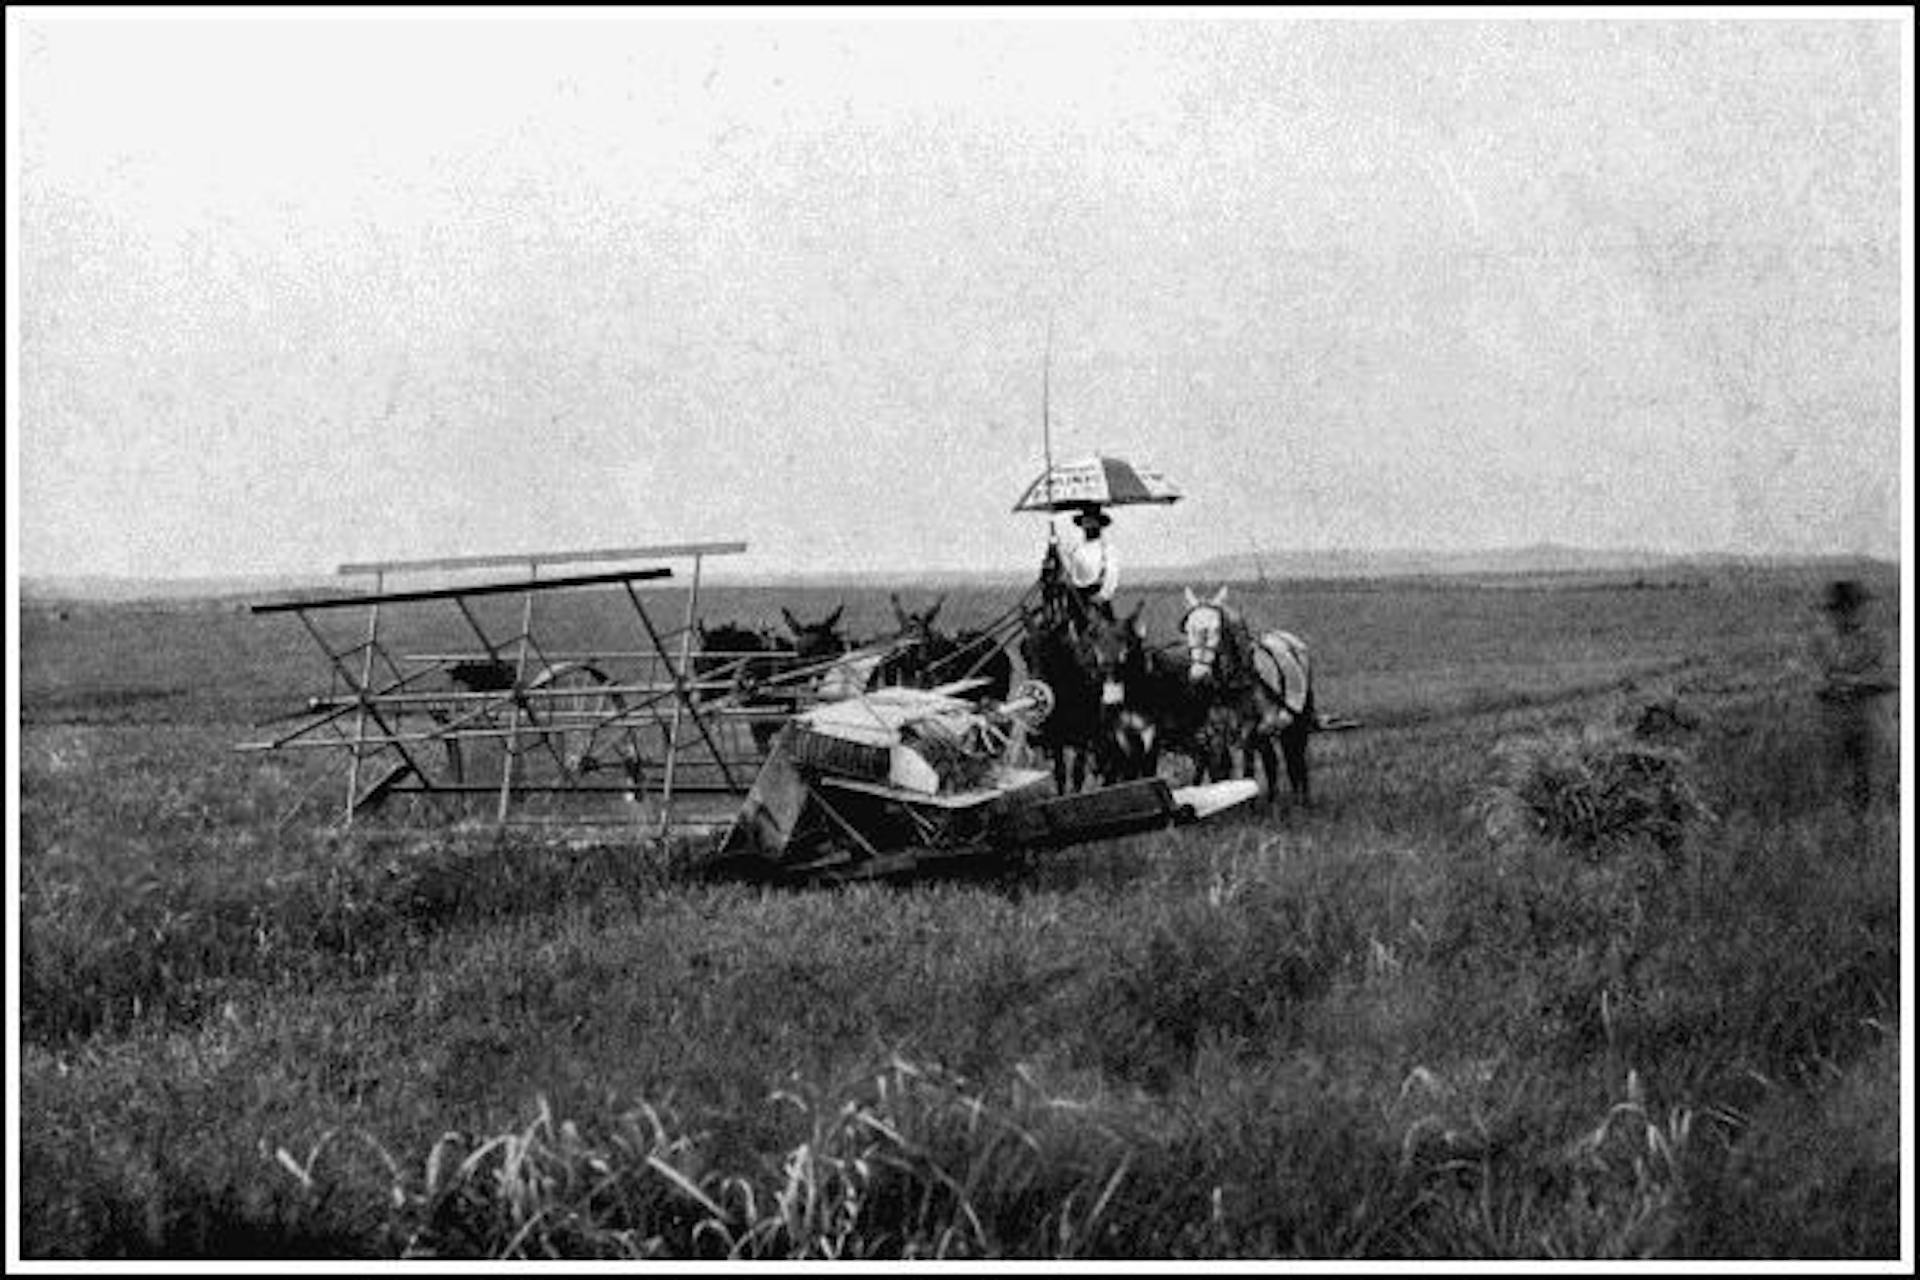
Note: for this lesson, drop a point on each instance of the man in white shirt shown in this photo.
(1087, 560)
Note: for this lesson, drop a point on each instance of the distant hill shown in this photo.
(1337, 563)
(1542, 558)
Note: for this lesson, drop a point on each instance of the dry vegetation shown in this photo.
(1577, 956)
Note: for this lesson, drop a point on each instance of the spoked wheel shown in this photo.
(575, 736)
(586, 739)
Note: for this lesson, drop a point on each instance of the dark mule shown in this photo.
(816, 645)
(1058, 655)
(746, 659)
(767, 668)
(813, 641)
(927, 656)
(730, 652)
(1260, 689)
(1147, 704)
(907, 665)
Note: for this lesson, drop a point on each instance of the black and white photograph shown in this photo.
(898, 638)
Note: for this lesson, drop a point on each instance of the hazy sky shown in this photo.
(305, 289)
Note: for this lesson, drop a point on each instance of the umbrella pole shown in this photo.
(1050, 587)
(1046, 426)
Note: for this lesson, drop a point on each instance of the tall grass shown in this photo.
(173, 948)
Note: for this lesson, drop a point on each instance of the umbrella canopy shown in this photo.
(1107, 480)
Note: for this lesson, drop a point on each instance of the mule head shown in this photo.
(1114, 650)
(1219, 597)
(916, 624)
(730, 637)
(1205, 629)
(816, 639)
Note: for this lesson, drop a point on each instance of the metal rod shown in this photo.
(360, 720)
(337, 707)
(630, 720)
(509, 766)
(340, 669)
(680, 677)
(488, 731)
(589, 655)
(700, 787)
(825, 806)
(452, 593)
(535, 693)
(683, 692)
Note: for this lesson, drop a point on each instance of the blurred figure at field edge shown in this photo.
(1853, 679)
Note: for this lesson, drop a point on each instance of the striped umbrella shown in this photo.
(1104, 479)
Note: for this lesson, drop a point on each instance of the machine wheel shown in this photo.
(586, 736)
(575, 734)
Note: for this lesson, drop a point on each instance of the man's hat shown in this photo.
(1092, 515)
(1844, 595)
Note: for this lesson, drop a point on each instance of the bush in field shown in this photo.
(1616, 912)
(1595, 792)
(1585, 835)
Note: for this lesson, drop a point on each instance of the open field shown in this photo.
(1431, 1017)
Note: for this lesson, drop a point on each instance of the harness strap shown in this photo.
(1280, 662)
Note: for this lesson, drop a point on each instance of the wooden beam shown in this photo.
(456, 593)
(533, 559)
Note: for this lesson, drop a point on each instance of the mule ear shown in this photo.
(1220, 596)
(935, 611)
(793, 623)
(1133, 618)
(833, 619)
(1193, 601)
(899, 614)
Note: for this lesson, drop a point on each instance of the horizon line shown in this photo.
(1241, 563)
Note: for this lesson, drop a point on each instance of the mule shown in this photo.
(1128, 745)
(755, 657)
(816, 644)
(926, 656)
(813, 641)
(1058, 655)
(734, 647)
(1260, 690)
(1148, 705)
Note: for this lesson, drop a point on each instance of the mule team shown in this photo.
(1120, 703)
(1233, 691)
